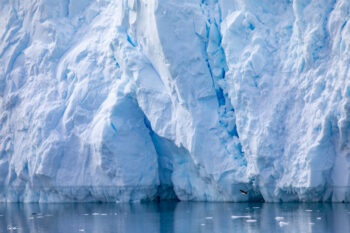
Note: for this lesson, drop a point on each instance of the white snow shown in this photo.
(133, 100)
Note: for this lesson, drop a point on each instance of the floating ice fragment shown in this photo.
(251, 220)
(202, 224)
(308, 210)
(318, 218)
(282, 224)
(95, 214)
(279, 218)
(104, 214)
(82, 230)
(236, 217)
(209, 218)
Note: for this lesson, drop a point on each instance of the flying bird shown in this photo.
(243, 192)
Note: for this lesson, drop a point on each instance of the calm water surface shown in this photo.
(175, 217)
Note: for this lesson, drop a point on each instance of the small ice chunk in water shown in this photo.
(279, 218)
(319, 218)
(256, 207)
(95, 214)
(202, 224)
(308, 210)
(104, 214)
(251, 220)
(209, 218)
(282, 224)
(82, 230)
(236, 217)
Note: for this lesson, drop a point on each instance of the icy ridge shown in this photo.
(196, 100)
(289, 117)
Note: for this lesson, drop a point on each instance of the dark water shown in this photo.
(175, 217)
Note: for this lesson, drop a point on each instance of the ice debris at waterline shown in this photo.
(195, 100)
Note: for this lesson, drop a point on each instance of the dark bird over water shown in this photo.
(243, 192)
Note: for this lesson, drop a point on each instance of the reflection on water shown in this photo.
(175, 217)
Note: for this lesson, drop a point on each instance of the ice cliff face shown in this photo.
(141, 99)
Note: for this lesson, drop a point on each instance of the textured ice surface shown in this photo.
(138, 100)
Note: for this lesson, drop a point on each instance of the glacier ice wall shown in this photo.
(142, 99)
